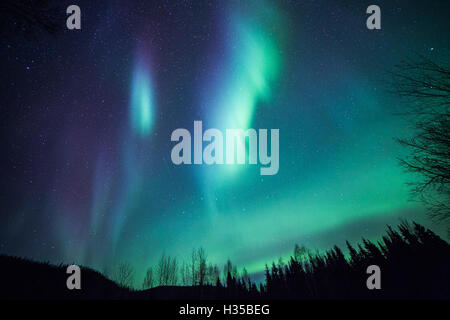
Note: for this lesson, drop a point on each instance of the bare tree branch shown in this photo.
(425, 85)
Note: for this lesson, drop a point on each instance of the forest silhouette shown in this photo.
(414, 264)
(414, 261)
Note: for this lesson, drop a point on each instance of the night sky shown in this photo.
(86, 173)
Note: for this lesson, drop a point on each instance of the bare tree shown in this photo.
(167, 271)
(184, 274)
(193, 267)
(425, 85)
(173, 275)
(202, 267)
(125, 275)
(149, 280)
(196, 271)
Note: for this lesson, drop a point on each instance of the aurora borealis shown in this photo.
(87, 117)
(141, 104)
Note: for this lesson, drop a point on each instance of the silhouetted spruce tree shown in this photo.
(414, 263)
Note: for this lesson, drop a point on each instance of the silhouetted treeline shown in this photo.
(30, 280)
(414, 264)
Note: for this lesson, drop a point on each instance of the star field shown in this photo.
(87, 117)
